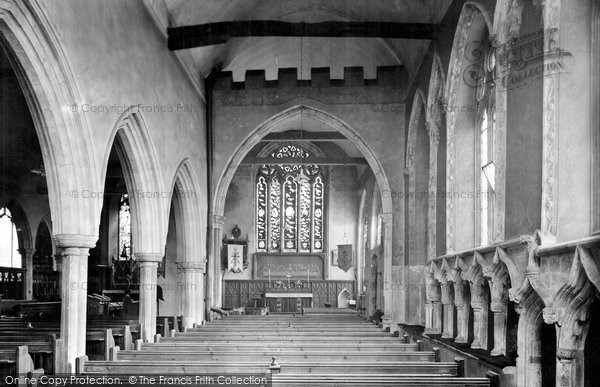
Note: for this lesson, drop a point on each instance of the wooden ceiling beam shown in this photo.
(180, 38)
(306, 160)
(305, 136)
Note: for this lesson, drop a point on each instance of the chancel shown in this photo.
(304, 192)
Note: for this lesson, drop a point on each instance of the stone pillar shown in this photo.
(499, 309)
(215, 278)
(433, 308)
(148, 263)
(448, 331)
(480, 305)
(387, 271)
(58, 260)
(74, 251)
(27, 254)
(529, 306)
(462, 302)
(192, 282)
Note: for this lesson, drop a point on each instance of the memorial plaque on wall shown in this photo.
(345, 257)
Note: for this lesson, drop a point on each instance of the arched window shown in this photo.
(290, 207)
(9, 241)
(124, 228)
(487, 168)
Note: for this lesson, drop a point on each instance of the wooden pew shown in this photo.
(191, 366)
(282, 355)
(42, 353)
(16, 361)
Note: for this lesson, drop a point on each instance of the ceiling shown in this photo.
(272, 53)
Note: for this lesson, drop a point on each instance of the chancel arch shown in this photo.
(223, 190)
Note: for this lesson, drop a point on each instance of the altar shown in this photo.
(288, 302)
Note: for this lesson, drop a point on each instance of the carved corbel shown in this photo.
(479, 303)
(567, 298)
(433, 307)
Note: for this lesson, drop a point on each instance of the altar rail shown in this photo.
(238, 293)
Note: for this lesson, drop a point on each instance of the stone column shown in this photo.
(480, 305)
(74, 251)
(58, 258)
(387, 271)
(433, 308)
(448, 331)
(499, 314)
(529, 368)
(27, 254)
(214, 273)
(148, 263)
(461, 301)
(192, 286)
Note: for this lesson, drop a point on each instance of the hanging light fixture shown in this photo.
(301, 177)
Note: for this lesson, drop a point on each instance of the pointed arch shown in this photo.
(416, 115)
(149, 204)
(19, 218)
(50, 88)
(465, 49)
(188, 214)
(218, 204)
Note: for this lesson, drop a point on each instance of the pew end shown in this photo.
(460, 366)
(436, 354)
(114, 353)
(127, 338)
(109, 342)
(494, 378)
(274, 367)
(80, 364)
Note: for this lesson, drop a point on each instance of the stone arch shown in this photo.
(19, 218)
(269, 125)
(51, 91)
(185, 189)
(218, 204)
(149, 210)
(191, 262)
(473, 15)
(416, 115)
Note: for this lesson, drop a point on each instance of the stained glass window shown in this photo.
(290, 211)
(124, 228)
(9, 242)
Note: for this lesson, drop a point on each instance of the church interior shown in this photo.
(307, 192)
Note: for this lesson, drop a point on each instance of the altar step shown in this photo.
(330, 311)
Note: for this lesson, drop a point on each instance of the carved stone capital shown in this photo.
(149, 257)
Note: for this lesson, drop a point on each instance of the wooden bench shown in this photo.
(191, 366)
(17, 361)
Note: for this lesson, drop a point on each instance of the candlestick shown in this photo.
(308, 275)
